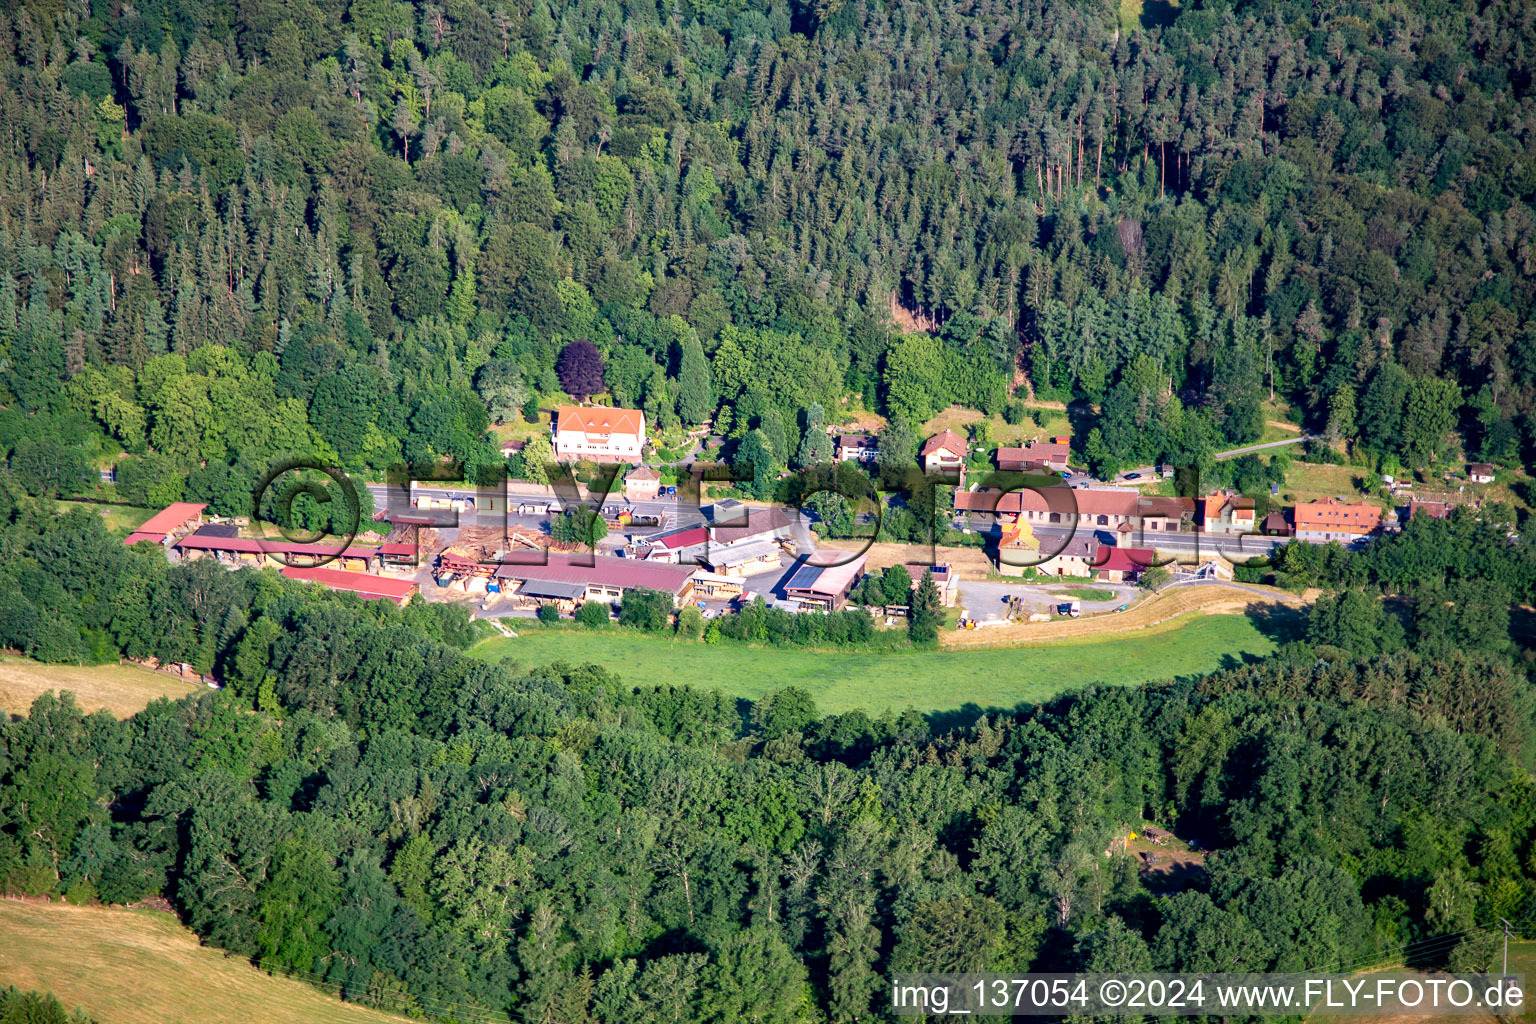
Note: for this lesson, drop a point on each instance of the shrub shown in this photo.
(593, 614)
(549, 613)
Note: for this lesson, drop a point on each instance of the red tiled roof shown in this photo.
(1331, 514)
(360, 583)
(603, 570)
(599, 419)
(945, 439)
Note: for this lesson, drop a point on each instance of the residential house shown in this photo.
(825, 584)
(1480, 473)
(943, 576)
(1013, 460)
(1017, 548)
(1432, 509)
(599, 434)
(1051, 455)
(944, 452)
(856, 447)
(511, 448)
(1227, 513)
(1076, 558)
(642, 484)
(1037, 456)
(1163, 515)
(1059, 505)
(1329, 519)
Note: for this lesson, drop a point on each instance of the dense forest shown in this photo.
(366, 806)
(238, 230)
(364, 229)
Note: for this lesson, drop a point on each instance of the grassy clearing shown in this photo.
(121, 689)
(120, 519)
(928, 680)
(958, 419)
(142, 967)
(1308, 481)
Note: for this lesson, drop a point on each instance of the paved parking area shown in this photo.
(986, 601)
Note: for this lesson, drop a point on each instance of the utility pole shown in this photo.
(1506, 927)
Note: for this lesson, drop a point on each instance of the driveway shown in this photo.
(989, 600)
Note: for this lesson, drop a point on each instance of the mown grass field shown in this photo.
(142, 967)
(121, 689)
(926, 680)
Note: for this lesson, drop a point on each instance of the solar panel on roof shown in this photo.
(804, 576)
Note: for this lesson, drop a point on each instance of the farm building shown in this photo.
(223, 542)
(1075, 558)
(716, 587)
(383, 588)
(173, 519)
(825, 586)
(600, 577)
(745, 559)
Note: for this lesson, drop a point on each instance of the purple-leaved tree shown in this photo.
(581, 369)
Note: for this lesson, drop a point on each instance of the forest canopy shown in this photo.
(390, 221)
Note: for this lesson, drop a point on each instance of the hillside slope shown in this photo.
(141, 967)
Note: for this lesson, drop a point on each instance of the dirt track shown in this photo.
(1155, 611)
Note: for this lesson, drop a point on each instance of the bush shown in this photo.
(690, 623)
(593, 614)
(549, 613)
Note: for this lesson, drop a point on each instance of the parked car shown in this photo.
(1133, 476)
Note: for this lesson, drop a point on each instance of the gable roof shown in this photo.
(158, 526)
(1332, 514)
(1128, 559)
(602, 570)
(857, 440)
(359, 583)
(599, 420)
(642, 474)
(946, 440)
(814, 578)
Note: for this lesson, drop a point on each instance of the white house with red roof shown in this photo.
(599, 434)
